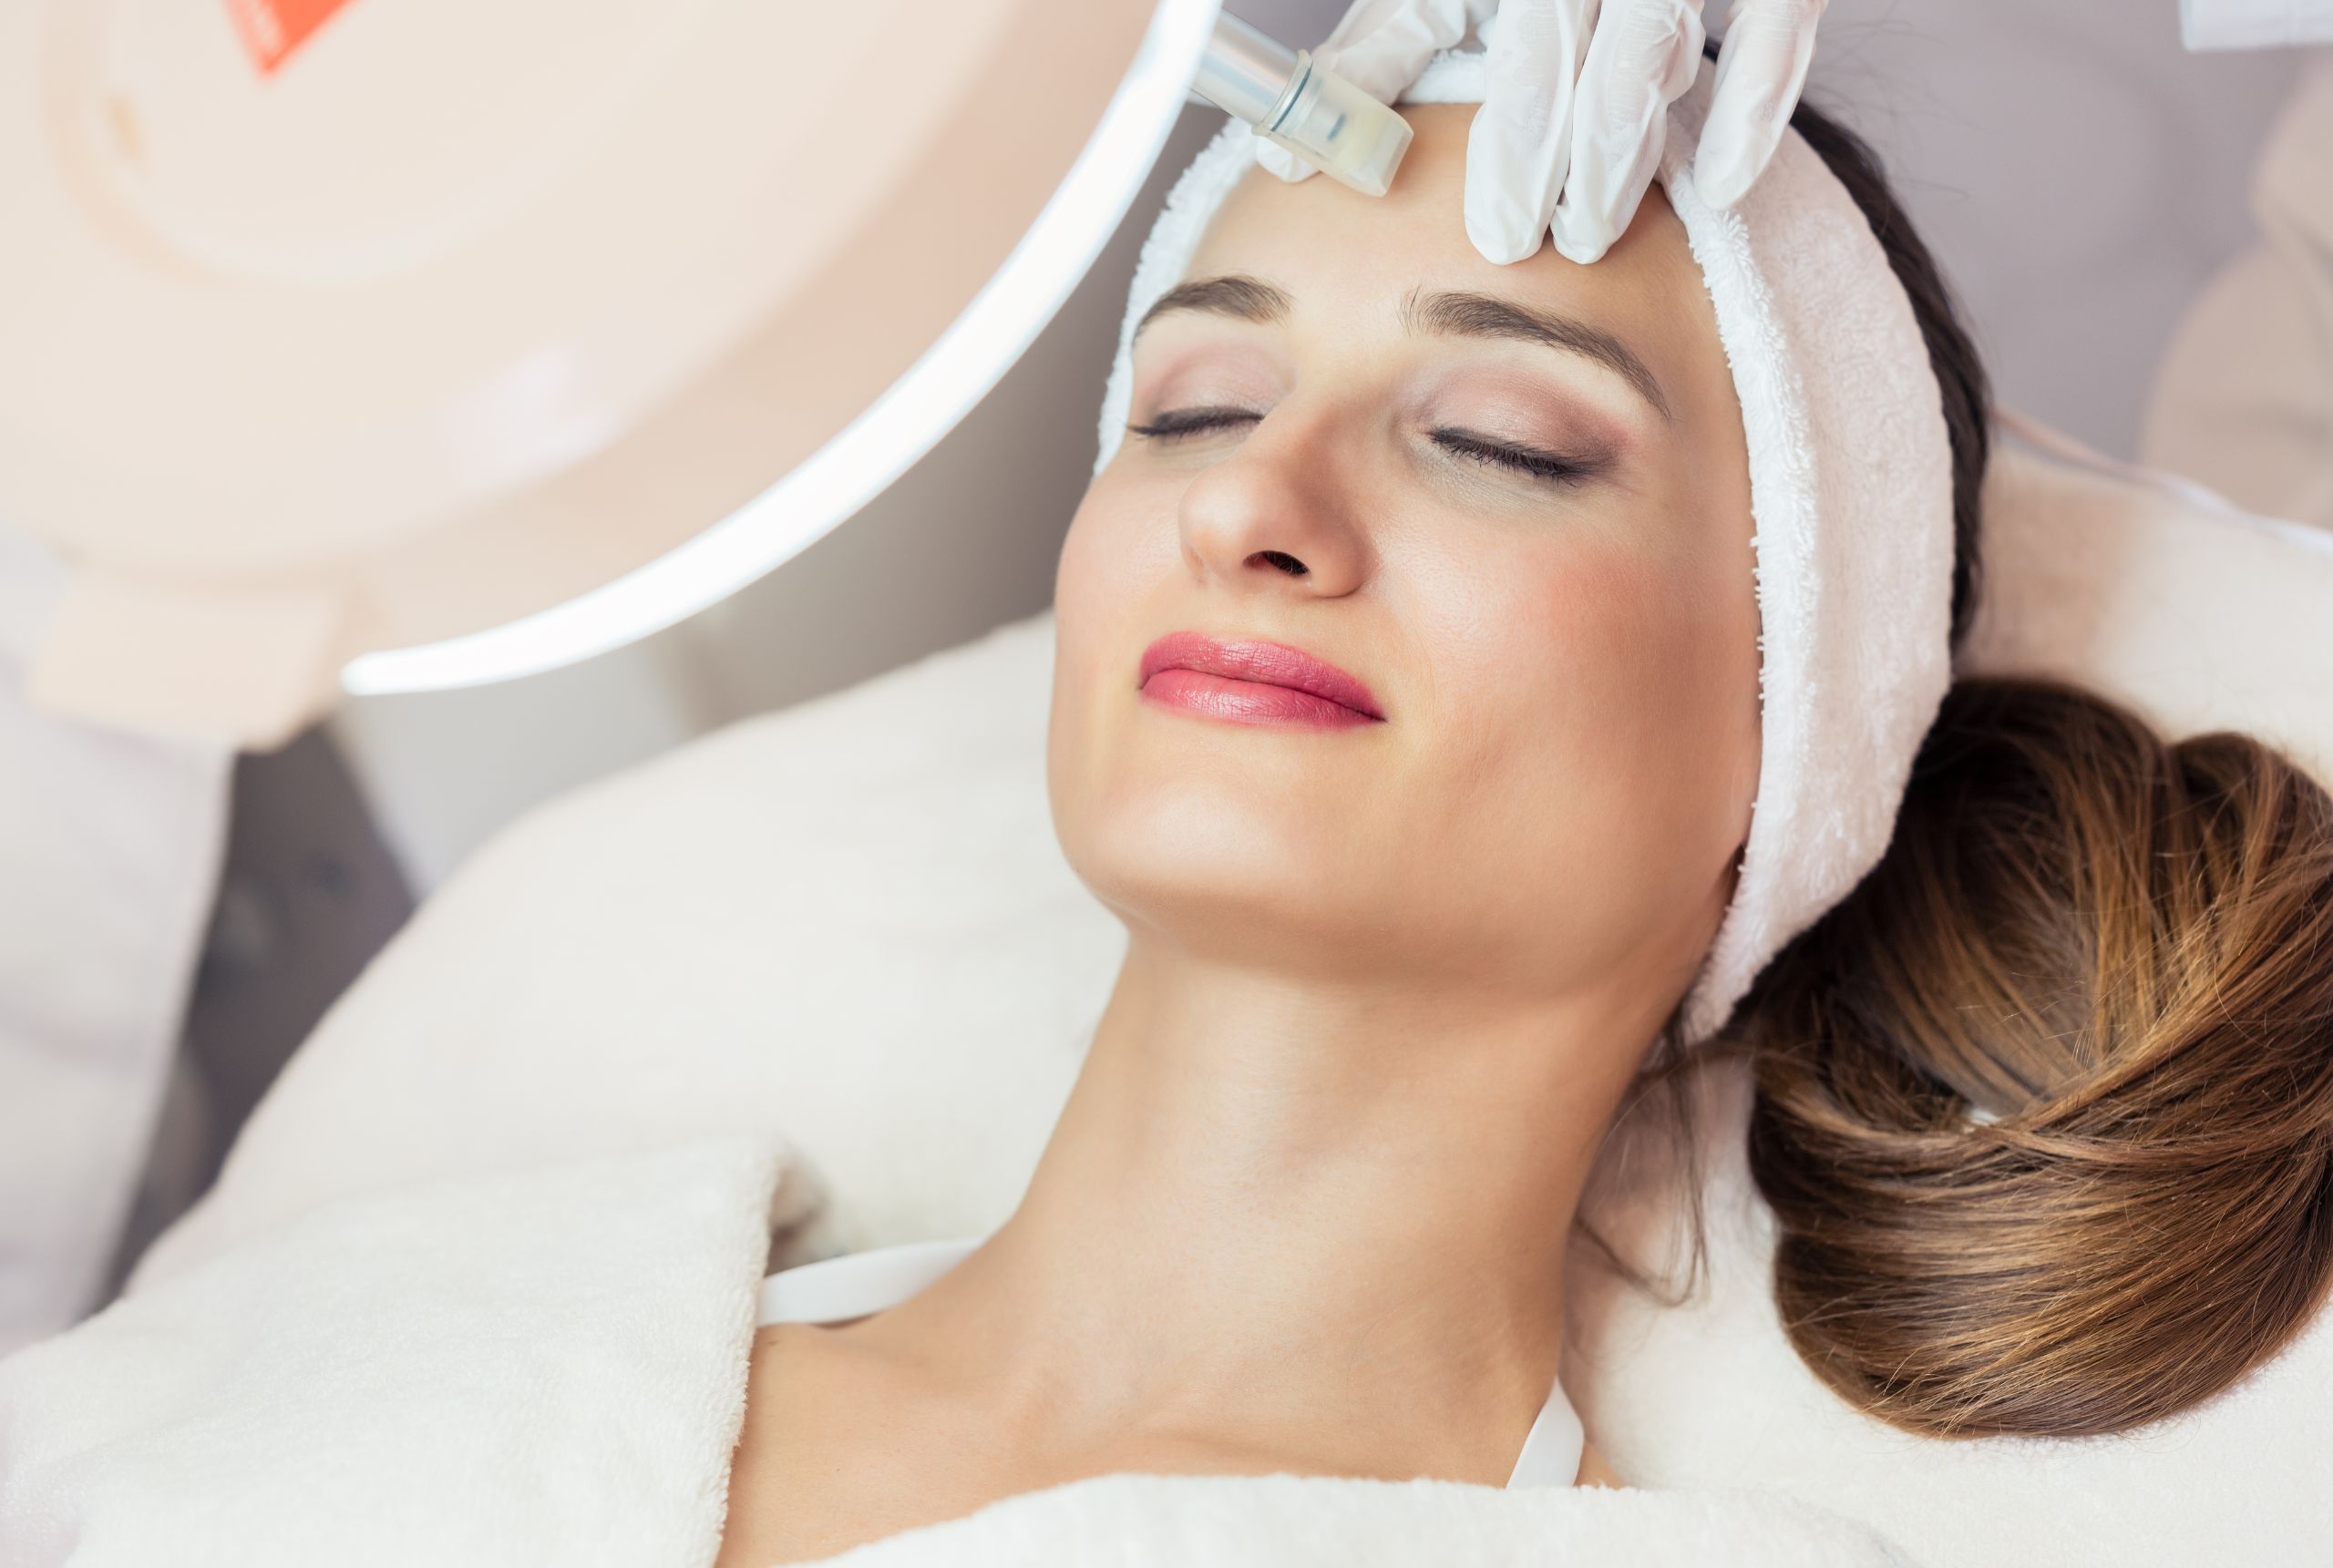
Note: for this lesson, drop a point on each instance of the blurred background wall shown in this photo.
(2078, 173)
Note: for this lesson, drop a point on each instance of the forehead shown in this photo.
(1339, 252)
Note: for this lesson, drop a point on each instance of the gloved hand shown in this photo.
(1576, 106)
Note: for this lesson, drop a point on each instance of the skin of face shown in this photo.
(1568, 666)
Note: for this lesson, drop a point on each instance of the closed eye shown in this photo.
(1191, 421)
(1530, 460)
(1483, 449)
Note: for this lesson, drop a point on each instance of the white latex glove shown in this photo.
(1577, 108)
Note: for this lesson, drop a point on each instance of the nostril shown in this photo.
(1287, 563)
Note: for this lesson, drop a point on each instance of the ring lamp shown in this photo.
(352, 345)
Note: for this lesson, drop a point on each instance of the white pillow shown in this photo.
(2155, 591)
(850, 922)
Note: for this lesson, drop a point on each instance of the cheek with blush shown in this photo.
(1121, 543)
(1090, 594)
(1585, 634)
(1119, 546)
(1673, 697)
(1595, 744)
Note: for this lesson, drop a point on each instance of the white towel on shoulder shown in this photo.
(548, 1367)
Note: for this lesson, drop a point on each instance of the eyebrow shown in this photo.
(1487, 316)
(1451, 313)
(1241, 297)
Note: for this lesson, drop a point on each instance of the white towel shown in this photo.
(1850, 490)
(546, 1367)
(1287, 1521)
(549, 1368)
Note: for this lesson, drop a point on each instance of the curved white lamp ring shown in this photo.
(926, 402)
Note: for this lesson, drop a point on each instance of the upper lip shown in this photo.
(1269, 663)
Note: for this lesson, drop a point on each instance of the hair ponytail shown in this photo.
(2045, 1107)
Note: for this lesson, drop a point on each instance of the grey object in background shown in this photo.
(307, 895)
(2078, 173)
(2244, 400)
(109, 849)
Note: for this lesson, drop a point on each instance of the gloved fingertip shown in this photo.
(1724, 179)
(1584, 233)
(1379, 66)
(1586, 251)
(1721, 194)
(1501, 243)
(1505, 226)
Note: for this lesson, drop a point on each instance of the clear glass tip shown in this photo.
(1314, 113)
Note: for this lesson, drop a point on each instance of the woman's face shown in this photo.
(1513, 502)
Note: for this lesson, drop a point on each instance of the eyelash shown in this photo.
(1527, 460)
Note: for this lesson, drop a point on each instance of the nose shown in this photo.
(1276, 516)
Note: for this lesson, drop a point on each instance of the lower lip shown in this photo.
(1248, 701)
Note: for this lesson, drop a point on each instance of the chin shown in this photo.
(1218, 869)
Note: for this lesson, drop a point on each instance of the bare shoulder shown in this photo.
(848, 1439)
(837, 1449)
(788, 1448)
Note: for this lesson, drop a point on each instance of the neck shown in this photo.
(1298, 1218)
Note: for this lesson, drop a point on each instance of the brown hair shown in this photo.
(2044, 1108)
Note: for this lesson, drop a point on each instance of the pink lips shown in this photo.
(1248, 682)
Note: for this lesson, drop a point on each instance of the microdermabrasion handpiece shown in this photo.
(1314, 113)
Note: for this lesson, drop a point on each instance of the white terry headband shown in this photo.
(1850, 494)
